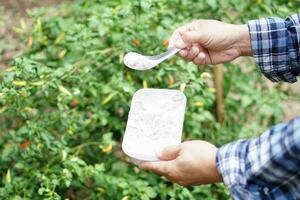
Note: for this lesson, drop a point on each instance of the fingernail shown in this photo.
(180, 43)
(195, 50)
(201, 55)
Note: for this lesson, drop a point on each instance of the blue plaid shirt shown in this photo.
(268, 166)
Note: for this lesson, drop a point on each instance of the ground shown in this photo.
(12, 11)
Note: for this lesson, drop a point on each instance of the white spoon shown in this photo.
(140, 62)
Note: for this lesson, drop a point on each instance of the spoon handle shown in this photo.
(168, 54)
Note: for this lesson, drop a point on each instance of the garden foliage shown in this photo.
(64, 101)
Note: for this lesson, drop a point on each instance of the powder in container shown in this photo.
(155, 121)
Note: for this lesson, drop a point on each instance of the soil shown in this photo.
(11, 13)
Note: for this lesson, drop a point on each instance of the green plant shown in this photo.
(64, 102)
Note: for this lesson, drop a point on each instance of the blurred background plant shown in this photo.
(65, 94)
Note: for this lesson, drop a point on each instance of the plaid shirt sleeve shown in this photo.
(276, 47)
(264, 167)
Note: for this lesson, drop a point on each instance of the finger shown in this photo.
(159, 167)
(199, 59)
(192, 53)
(177, 35)
(169, 153)
(192, 37)
(183, 53)
(180, 44)
(173, 39)
(204, 58)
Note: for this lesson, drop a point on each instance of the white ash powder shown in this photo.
(155, 121)
(137, 61)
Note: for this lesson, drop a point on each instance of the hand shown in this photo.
(191, 163)
(211, 41)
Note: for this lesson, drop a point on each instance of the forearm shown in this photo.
(243, 42)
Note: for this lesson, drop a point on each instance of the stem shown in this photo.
(219, 93)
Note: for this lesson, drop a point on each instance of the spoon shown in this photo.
(141, 62)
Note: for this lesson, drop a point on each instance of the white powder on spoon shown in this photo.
(137, 61)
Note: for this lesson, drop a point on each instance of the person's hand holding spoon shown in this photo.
(202, 42)
(211, 42)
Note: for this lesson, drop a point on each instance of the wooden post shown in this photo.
(218, 74)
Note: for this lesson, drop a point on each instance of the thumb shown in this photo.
(188, 38)
(159, 167)
(169, 153)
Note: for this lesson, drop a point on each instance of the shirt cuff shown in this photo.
(270, 47)
(231, 162)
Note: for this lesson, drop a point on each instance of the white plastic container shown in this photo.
(155, 121)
